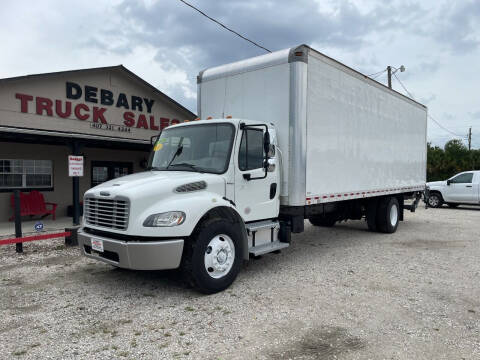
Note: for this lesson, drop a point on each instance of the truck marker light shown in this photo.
(197, 119)
(229, 117)
(209, 118)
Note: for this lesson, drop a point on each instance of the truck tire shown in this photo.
(213, 256)
(435, 200)
(326, 221)
(388, 215)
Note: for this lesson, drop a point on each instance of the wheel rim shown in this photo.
(394, 215)
(433, 200)
(219, 256)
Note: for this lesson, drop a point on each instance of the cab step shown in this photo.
(261, 225)
(268, 247)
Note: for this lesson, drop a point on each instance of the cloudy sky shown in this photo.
(168, 43)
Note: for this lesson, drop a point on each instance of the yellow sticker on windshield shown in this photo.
(158, 146)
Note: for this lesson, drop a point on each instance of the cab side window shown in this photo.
(463, 178)
(251, 154)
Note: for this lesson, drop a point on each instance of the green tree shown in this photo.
(452, 159)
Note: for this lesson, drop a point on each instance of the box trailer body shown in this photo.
(342, 135)
(285, 137)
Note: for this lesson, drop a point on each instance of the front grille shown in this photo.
(107, 213)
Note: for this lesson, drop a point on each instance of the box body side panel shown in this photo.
(262, 95)
(360, 137)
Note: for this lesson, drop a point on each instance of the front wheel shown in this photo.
(213, 256)
(435, 200)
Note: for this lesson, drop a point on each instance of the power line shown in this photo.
(429, 116)
(225, 27)
(403, 86)
(377, 74)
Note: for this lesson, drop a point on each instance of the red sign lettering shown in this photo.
(78, 114)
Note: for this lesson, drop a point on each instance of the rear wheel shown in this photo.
(388, 215)
(326, 221)
(435, 200)
(213, 256)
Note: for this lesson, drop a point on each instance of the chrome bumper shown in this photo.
(148, 255)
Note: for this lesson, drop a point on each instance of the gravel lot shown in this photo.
(341, 293)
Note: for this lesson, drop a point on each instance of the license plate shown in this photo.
(97, 245)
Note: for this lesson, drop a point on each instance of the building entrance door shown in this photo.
(107, 170)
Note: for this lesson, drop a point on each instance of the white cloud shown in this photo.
(167, 43)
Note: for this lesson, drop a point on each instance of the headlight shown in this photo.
(171, 218)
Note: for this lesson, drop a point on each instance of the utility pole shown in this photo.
(389, 72)
(470, 139)
(470, 148)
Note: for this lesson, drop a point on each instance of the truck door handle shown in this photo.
(468, 185)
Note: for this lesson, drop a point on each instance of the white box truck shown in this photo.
(285, 137)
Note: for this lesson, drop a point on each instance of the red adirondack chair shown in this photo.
(33, 204)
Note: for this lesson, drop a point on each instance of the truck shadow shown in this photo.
(311, 245)
(461, 207)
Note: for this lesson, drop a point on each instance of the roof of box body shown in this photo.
(119, 68)
(296, 53)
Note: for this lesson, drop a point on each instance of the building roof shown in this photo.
(120, 68)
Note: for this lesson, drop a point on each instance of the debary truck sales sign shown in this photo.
(89, 102)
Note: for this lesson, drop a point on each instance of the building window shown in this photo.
(25, 174)
(107, 170)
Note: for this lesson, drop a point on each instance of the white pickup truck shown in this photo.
(285, 137)
(460, 189)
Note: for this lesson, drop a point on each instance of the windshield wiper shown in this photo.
(177, 152)
(191, 166)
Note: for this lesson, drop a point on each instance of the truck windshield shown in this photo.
(201, 148)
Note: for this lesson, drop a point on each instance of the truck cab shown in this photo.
(206, 202)
(462, 188)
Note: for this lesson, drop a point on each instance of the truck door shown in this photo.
(257, 198)
(462, 189)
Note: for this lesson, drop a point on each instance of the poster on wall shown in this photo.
(75, 165)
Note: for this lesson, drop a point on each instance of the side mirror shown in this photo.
(266, 142)
(449, 182)
(154, 139)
